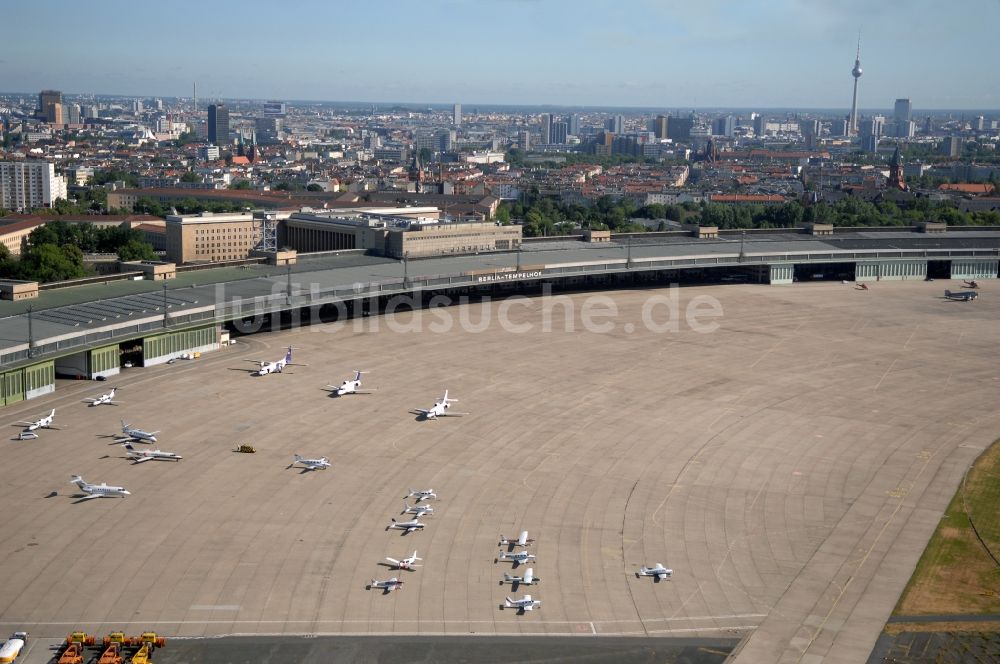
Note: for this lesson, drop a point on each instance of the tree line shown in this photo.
(541, 216)
(54, 252)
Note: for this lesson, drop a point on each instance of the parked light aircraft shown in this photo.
(140, 456)
(658, 572)
(440, 409)
(516, 558)
(103, 399)
(529, 579)
(43, 423)
(422, 494)
(970, 284)
(522, 541)
(406, 526)
(275, 367)
(386, 586)
(352, 386)
(419, 510)
(405, 563)
(522, 605)
(311, 464)
(134, 435)
(961, 296)
(101, 490)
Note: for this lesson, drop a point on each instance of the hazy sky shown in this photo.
(662, 53)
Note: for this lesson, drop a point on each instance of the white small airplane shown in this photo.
(406, 526)
(522, 541)
(43, 423)
(134, 435)
(405, 563)
(101, 490)
(103, 399)
(275, 367)
(386, 586)
(422, 494)
(522, 605)
(516, 558)
(440, 409)
(658, 572)
(311, 464)
(529, 579)
(352, 386)
(140, 456)
(419, 510)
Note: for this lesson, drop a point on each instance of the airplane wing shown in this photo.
(421, 411)
(90, 495)
(140, 459)
(447, 414)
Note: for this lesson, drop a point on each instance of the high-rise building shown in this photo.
(951, 146)
(841, 127)
(660, 126)
(136, 106)
(218, 124)
(724, 126)
(546, 128)
(72, 113)
(979, 124)
(573, 124)
(268, 130)
(275, 108)
(54, 113)
(557, 133)
(47, 98)
(524, 140)
(869, 142)
(616, 124)
(679, 129)
(758, 126)
(29, 184)
(873, 126)
(902, 110)
(456, 114)
(852, 124)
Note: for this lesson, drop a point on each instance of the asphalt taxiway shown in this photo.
(789, 467)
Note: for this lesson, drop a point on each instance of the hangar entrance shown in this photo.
(825, 272)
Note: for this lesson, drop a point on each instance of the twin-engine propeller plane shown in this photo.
(311, 464)
(658, 572)
(278, 366)
(103, 399)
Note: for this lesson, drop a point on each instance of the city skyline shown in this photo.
(787, 54)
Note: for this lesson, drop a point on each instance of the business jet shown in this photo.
(43, 423)
(386, 586)
(406, 526)
(275, 367)
(352, 386)
(405, 563)
(961, 296)
(658, 572)
(516, 558)
(419, 510)
(522, 541)
(311, 464)
(134, 435)
(439, 409)
(103, 399)
(522, 605)
(101, 490)
(424, 494)
(529, 579)
(141, 456)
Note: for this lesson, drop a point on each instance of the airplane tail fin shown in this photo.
(77, 480)
(288, 355)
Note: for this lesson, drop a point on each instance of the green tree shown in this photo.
(190, 176)
(503, 214)
(425, 155)
(241, 185)
(136, 250)
(314, 187)
(49, 262)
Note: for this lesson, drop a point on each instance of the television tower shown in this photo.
(852, 125)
